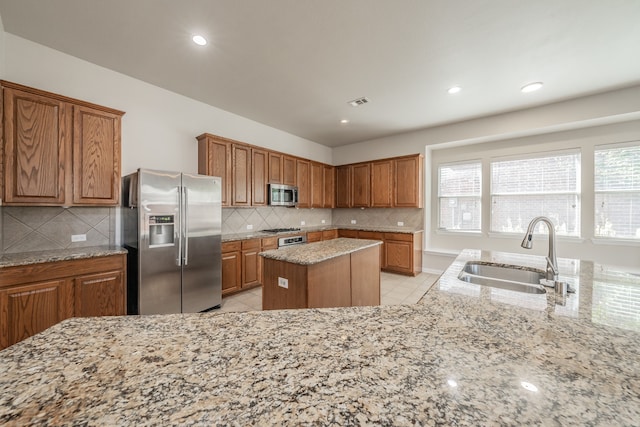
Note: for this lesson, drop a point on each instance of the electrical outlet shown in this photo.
(400, 223)
(249, 227)
(78, 237)
(353, 221)
(283, 283)
(302, 223)
(323, 221)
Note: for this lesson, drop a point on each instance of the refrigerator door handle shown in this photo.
(185, 204)
(179, 230)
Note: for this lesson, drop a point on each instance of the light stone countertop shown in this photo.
(464, 355)
(27, 258)
(314, 253)
(229, 237)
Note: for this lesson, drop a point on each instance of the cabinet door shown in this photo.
(37, 149)
(343, 186)
(382, 184)
(251, 263)
(408, 182)
(303, 183)
(361, 188)
(214, 159)
(28, 309)
(317, 185)
(314, 236)
(329, 187)
(241, 175)
(231, 267)
(275, 168)
(288, 170)
(259, 171)
(96, 157)
(99, 294)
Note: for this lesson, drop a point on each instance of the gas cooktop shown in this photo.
(279, 230)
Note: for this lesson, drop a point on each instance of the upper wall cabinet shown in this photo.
(57, 150)
(214, 159)
(408, 176)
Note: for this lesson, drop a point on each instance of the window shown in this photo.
(548, 184)
(617, 192)
(459, 193)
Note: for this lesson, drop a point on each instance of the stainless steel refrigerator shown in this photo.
(172, 224)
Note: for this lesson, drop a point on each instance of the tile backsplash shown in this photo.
(413, 218)
(236, 220)
(27, 229)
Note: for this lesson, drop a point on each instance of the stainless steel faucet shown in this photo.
(552, 260)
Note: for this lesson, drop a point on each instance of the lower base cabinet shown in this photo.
(35, 297)
(241, 264)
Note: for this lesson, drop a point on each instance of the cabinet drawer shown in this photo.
(353, 234)
(371, 235)
(251, 244)
(231, 246)
(329, 234)
(403, 237)
(314, 236)
(269, 243)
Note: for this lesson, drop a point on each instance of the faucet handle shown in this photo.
(553, 267)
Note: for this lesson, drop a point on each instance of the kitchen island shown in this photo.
(334, 273)
(464, 355)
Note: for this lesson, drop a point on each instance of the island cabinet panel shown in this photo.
(231, 267)
(214, 159)
(99, 294)
(250, 262)
(58, 151)
(361, 187)
(96, 157)
(329, 283)
(241, 175)
(343, 186)
(289, 172)
(365, 277)
(329, 186)
(317, 185)
(259, 177)
(29, 309)
(382, 184)
(275, 296)
(37, 148)
(303, 183)
(275, 168)
(36, 296)
(375, 235)
(408, 178)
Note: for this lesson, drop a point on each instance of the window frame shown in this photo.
(442, 230)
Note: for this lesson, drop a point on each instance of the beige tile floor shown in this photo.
(394, 289)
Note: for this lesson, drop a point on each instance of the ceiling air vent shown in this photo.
(359, 101)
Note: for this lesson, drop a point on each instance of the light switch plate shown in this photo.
(283, 283)
(78, 237)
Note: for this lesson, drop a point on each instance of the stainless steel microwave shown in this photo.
(283, 195)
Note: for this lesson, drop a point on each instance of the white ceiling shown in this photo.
(294, 64)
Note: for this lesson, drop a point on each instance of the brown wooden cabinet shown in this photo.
(329, 234)
(36, 296)
(375, 235)
(314, 236)
(329, 186)
(240, 175)
(352, 234)
(361, 187)
(259, 177)
(403, 253)
(231, 267)
(250, 263)
(289, 172)
(303, 183)
(408, 176)
(58, 150)
(382, 184)
(214, 159)
(317, 185)
(343, 186)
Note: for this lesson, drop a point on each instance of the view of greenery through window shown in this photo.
(617, 188)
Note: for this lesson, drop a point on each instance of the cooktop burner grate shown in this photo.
(279, 230)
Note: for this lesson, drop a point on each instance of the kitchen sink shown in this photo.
(510, 277)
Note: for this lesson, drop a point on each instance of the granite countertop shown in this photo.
(27, 258)
(464, 355)
(229, 237)
(313, 253)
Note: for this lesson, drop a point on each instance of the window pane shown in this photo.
(617, 169)
(618, 215)
(512, 214)
(540, 175)
(460, 213)
(460, 180)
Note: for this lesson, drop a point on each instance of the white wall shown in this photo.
(159, 127)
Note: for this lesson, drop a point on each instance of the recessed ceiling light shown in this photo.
(454, 89)
(530, 87)
(199, 40)
(344, 121)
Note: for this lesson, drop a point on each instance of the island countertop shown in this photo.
(313, 253)
(464, 355)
